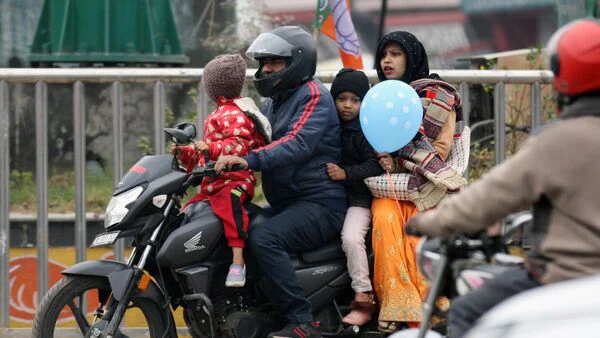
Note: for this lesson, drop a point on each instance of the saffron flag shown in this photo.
(333, 19)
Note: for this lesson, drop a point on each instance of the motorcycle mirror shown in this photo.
(182, 133)
(516, 221)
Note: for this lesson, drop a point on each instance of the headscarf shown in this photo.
(417, 64)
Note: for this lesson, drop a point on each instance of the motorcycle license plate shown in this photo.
(106, 238)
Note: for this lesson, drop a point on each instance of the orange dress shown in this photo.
(399, 285)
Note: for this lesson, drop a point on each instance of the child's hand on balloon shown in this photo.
(387, 162)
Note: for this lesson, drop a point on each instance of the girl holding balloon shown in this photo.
(412, 129)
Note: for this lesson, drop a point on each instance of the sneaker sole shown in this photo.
(235, 284)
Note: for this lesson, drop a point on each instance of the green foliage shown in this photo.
(518, 116)
(259, 195)
(481, 159)
(169, 116)
(487, 65)
(193, 93)
(22, 190)
(61, 191)
(145, 145)
(533, 58)
(20, 178)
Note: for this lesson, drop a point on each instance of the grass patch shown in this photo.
(61, 192)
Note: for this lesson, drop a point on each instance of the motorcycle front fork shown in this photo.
(433, 293)
(138, 272)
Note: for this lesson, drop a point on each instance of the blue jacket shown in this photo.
(306, 136)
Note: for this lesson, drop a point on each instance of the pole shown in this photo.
(382, 15)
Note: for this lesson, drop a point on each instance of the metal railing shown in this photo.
(159, 77)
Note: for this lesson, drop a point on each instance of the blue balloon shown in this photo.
(390, 115)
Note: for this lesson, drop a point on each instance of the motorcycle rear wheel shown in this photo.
(67, 295)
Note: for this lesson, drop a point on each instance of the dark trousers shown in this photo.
(301, 227)
(466, 310)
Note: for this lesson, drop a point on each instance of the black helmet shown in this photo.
(296, 47)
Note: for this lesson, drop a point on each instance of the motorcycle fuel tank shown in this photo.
(193, 242)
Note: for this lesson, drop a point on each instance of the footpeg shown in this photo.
(351, 330)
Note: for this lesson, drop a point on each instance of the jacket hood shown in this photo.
(248, 106)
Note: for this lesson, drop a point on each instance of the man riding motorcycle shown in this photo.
(309, 207)
(556, 171)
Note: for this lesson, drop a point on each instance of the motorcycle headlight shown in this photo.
(116, 210)
(427, 260)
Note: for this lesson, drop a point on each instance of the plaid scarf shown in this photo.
(431, 179)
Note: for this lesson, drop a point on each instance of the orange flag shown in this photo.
(334, 20)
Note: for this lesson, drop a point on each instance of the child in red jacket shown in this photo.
(235, 127)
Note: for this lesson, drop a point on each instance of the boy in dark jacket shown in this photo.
(359, 161)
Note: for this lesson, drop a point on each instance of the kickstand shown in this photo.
(337, 309)
(343, 329)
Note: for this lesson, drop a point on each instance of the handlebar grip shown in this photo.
(237, 167)
(413, 232)
(206, 156)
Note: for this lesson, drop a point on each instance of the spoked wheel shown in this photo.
(76, 298)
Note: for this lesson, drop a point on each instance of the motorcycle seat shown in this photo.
(330, 251)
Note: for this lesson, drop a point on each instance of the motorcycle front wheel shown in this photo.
(66, 300)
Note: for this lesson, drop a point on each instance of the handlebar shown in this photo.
(195, 176)
(459, 241)
(210, 171)
(413, 232)
(236, 167)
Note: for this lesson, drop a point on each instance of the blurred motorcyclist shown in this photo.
(556, 171)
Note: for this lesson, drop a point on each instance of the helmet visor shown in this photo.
(269, 45)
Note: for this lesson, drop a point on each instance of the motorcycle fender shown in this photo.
(118, 274)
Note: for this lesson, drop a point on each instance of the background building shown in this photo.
(449, 29)
(18, 20)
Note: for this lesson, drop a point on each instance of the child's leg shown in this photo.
(356, 226)
(228, 205)
(238, 255)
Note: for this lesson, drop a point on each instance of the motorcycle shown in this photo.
(461, 264)
(176, 265)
